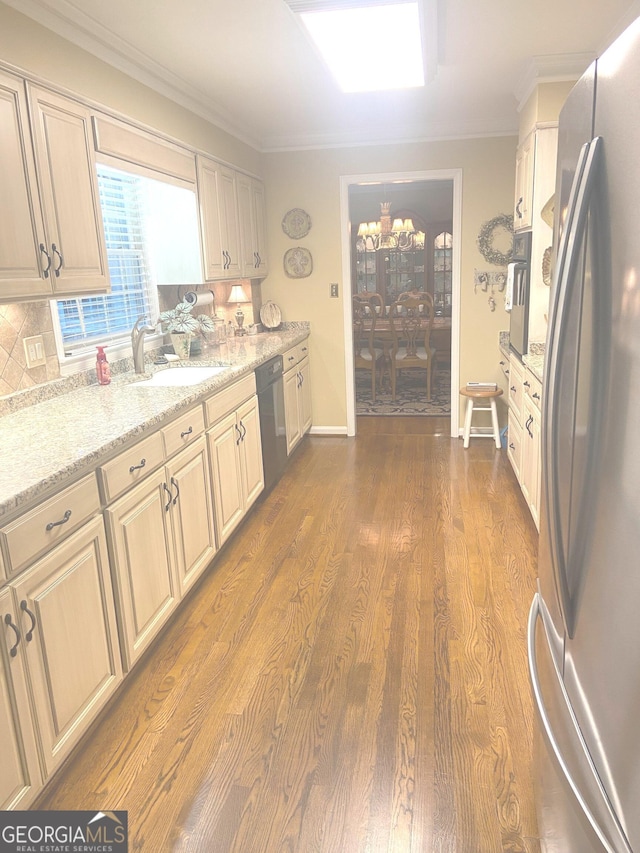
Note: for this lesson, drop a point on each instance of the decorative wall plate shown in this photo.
(296, 223)
(298, 262)
(270, 315)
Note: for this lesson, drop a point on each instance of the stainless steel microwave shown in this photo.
(517, 294)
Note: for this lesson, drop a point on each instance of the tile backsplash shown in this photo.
(18, 321)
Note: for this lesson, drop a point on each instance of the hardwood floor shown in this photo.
(349, 676)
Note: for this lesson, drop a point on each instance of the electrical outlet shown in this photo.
(34, 351)
(334, 291)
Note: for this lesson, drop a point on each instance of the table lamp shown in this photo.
(238, 296)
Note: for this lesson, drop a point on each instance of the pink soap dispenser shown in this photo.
(102, 367)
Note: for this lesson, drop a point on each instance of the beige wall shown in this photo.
(39, 51)
(543, 105)
(311, 180)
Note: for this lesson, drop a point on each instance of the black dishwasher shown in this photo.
(270, 388)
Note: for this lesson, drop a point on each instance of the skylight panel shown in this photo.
(370, 48)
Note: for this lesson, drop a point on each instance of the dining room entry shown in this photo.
(402, 295)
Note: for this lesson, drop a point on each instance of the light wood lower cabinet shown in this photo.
(70, 641)
(531, 464)
(297, 403)
(191, 513)
(20, 776)
(162, 538)
(237, 475)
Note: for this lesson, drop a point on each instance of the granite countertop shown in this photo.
(534, 360)
(54, 441)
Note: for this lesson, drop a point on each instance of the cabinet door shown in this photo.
(69, 193)
(139, 528)
(226, 475)
(219, 220)
(68, 623)
(260, 214)
(21, 225)
(250, 451)
(291, 410)
(247, 222)
(304, 393)
(191, 513)
(524, 183)
(19, 770)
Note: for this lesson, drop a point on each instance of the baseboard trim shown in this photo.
(328, 430)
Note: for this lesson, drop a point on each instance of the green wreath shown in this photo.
(487, 236)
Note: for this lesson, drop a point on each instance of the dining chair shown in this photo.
(368, 353)
(411, 319)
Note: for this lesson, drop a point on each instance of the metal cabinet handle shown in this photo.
(291, 358)
(244, 431)
(54, 251)
(239, 438)
(512, 446)
(513, 388)
(534, 614)
(167, 506)
(63, 520)
(506, 373)
(535, 396)
(174, 482)
(518, 206)
(13, 651)
(186, 432)
(501, 363)
(304, 349)
(259, 259)
(133, 468)
(45, 271)
(25, 609)
(526, 384)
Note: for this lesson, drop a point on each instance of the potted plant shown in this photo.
(181, 325)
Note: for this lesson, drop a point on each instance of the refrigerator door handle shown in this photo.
(568, 253)
(534, 614)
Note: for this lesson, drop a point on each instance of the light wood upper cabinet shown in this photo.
(20, 776)
(68, 624)
(218, 199)
(253, 232)
(69, 193)
(524, 184)
(21, 224)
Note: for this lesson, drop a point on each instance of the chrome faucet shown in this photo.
(137, 343)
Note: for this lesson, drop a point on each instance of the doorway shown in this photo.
(424, 257)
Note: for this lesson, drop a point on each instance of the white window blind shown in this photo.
(89, 320)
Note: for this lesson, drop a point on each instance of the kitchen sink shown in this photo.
(174, 377)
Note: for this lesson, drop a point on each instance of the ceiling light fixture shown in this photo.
(369, 45)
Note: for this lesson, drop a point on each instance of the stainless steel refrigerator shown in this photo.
(584, 624)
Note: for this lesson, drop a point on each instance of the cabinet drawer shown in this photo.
(183, 431)
(39, 530)
(516, 378)
(294, 356)
(130, 467)
(229, 399)
(514, 444)
(533, 390)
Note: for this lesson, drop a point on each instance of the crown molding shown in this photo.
(74, 25)
(442, 132)
(558, 68)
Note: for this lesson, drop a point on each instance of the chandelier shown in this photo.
(385, 234)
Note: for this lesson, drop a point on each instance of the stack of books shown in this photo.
(482, 386)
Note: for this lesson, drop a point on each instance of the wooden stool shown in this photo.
(472, 396)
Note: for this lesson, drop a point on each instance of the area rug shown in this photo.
(411, 395)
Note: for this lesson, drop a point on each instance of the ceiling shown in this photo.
(247, 66)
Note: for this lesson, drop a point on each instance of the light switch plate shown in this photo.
(34, 351)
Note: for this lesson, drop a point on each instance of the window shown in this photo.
(151, 235)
